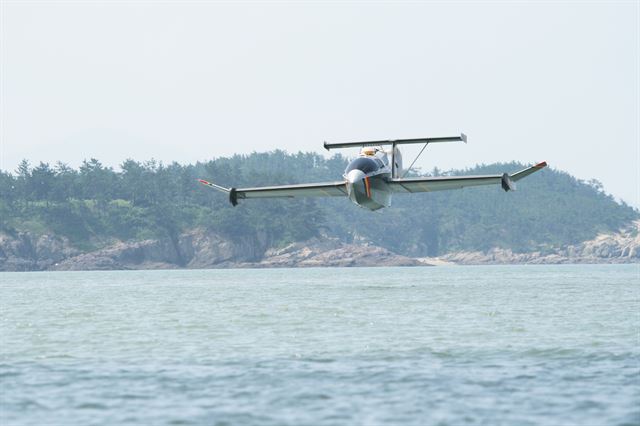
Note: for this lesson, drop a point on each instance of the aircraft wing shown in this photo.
(442, 183)
(327, 189)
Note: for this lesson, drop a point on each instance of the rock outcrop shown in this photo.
(26, 252)
(332, 252)
(147, 254)
(197, 249)
(624, 245)
(619, 247)
(201, 249)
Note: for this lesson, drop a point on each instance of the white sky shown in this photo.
(189, 81)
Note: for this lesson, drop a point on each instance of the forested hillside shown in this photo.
(95, 205)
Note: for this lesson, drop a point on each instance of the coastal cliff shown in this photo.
(199, 249)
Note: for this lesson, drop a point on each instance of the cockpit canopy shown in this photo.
(365, 164)
(369, 150)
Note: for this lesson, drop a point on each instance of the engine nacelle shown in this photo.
(507, 183)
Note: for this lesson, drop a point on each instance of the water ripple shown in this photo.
(441, 346)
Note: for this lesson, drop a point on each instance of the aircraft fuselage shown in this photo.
(366, 179)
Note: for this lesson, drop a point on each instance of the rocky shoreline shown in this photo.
(197, 249)
(620, 247)
(200, 249)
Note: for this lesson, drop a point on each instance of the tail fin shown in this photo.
(396, 157)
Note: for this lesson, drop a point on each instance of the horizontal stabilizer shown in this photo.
(461, 138)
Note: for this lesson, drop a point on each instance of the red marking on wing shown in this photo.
(541, 165)
(204, 182)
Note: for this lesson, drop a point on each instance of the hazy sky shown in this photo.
(189, 81)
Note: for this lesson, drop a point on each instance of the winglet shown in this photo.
(463, 137)
(214, 186)
(526, 172)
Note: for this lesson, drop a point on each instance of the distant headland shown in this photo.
(151, 215)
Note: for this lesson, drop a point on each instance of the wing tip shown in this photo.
(213, 185)
(541, 165)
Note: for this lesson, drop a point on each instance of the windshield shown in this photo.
(366, 165)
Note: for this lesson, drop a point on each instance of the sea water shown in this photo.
(486, 345)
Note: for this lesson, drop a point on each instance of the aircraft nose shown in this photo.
(355, 176)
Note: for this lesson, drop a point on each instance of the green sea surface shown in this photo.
(485, 345)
